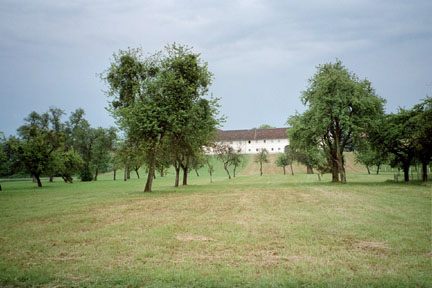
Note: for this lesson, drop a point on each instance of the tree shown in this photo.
(368, 156)
(405, 135)
(262, 157)
(103, 145)
(340, 109)
(284, 160)
(210, 166)
(225, 153)
(38, 140)
(66, 164)
(423, 134)
(237, 160)
(154, 97)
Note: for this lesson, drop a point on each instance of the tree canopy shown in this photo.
(160, 96)
(340, 109)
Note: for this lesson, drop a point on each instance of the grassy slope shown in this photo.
(250, 231)
(252, 168)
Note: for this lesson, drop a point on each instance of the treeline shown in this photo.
(344, 113)
(47, 146)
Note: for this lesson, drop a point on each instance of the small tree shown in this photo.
(237, 160)
(262, 157)
(284, 160)
(368, 156)
(210, 166)
(225, 153)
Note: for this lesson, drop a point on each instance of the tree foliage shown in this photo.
(158, 97)
(340, 109)
(262, 157)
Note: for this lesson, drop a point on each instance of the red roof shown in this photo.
(252, 134)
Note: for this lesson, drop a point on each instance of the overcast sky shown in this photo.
(261, 52)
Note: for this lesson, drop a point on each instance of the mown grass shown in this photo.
(252, 231)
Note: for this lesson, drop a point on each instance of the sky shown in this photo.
(261, 53)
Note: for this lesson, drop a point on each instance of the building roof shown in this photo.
(252, 134)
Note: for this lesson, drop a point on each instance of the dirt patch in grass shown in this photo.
(188, 238)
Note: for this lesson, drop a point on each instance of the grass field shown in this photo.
(252, 231)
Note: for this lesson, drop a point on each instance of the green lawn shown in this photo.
(252, 231)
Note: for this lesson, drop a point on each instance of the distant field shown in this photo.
(251, 231)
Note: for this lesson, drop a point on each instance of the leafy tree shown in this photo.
(225, 153)
(423, 134)
(284, 160)
(237, 161)
(210, 166)
(262, 157)
(405, 135)
(340, 109)
(103, 145)
(154, 97)
(38, 140)
(368, 156)
(66, 164)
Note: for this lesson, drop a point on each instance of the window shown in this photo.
(257, 149)
(272, 149)
(256, 141)
(249, 150)
(249, 141)
(279, 140)
(279, 148)
(264, 140)
(240, 142)
(271, 141)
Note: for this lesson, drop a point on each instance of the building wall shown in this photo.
(254, 146)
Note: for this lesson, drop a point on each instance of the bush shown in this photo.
(86, 175)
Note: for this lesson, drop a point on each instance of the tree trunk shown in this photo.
(340, 165)
(96, 174)
(185, 174)
(38, 180)
(196, 171)
(211, 177)
(51, 179)
(319, 176)
(125, 174)
(424, 171)
(0, 188)
(128, 173)
(185, 170)
(150, 175)
(406, 172)
(284, 170)
(227, 171)
(367, 167)
(261, 173)
(292, 171)
(378, 169)
(234, 171)
(177, 177)
(335, 174)
(115, 172)
(136, 171)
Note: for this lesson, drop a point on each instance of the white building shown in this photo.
(252, 141)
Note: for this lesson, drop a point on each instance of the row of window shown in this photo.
(272, 149)
(249, 141)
